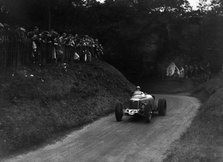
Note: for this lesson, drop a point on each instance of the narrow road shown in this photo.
(128, 141)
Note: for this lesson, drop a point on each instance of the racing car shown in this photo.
(142, 104)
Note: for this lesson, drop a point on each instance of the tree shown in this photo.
(164, 5)
(38, 12)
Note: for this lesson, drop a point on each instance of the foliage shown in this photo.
(140, 33)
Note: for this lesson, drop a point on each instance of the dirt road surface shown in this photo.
(128, 141)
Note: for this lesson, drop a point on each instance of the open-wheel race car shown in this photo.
(142, 104)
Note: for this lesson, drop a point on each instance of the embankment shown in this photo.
(37, 104)
(203, 141)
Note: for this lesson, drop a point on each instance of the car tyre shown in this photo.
(118, 112)
(162, 107)
(148, 113)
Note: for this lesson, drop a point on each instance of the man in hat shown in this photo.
(138, 91)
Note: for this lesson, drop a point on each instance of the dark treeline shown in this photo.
(140, 37)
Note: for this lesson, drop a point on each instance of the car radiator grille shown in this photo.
(134, 104)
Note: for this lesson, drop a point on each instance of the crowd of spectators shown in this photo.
(192, 71)
(198, 70)
(19, 46)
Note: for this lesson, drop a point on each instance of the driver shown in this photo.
(138, 91)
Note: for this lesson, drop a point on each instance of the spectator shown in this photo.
(46, 46)
(76, 57)
(181, 72)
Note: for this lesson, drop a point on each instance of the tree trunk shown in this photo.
(49, 18)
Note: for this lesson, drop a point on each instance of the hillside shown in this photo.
(203, 140)
(37, 103)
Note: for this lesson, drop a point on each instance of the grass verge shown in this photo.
(203, 140)
(37, 103)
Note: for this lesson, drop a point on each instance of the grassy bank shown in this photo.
(37, 103)
(203, 141)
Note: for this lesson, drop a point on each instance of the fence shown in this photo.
(14, 49)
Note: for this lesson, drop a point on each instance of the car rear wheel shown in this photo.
(118, 112)
(148, 113)
(162, 107)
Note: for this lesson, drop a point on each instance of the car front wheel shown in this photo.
(118, 112)
(148, 113)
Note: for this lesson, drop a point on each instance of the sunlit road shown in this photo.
(128, 141)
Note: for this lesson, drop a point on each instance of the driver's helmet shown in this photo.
(138, 91)
(138, 88)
